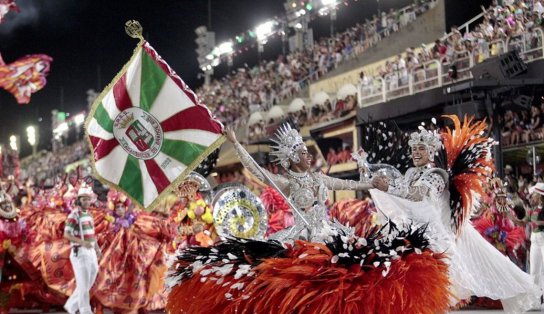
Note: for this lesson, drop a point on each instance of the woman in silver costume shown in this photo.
(476, 267)
(306, 190)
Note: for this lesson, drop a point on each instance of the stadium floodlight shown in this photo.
(300, 13)
(61, 128)
(226, 48)
(13, 142)
(215, 52)
(330, 6)
(31, 135)
(79, 119)
(264, 30)
(201, 31)
(205, 42)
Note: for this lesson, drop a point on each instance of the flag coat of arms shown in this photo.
(148, 130)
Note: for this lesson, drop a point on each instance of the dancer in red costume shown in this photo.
(133, 244)
(132, 270)
(495, 223)
(14, 234)
(46, 258)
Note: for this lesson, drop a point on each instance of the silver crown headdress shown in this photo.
(430, 139)
(288, 144)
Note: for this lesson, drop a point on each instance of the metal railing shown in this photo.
(529, 45)
(466, 26)
(427, 77)
(434, 74)
(372, 92)
(461, 62)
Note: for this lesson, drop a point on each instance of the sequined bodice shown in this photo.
(308, 192)
(305, 189)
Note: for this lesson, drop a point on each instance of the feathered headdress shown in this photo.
(430, 139)
(115, 197)
(503, 202)
(498, 187)
(288, 144)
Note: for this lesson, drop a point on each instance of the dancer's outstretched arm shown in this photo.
(250, 164)
(340, 184)
(431, 184)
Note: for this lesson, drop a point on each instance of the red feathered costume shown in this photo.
(358, 214)
(494, 223)
(279, 212)
(345, 275)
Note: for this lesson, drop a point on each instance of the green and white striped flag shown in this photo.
(148, 130)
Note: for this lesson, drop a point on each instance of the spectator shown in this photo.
(534, 130)
(332, 158)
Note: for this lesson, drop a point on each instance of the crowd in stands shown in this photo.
(47, 165)
(523, 126)
(258, 88)
(502, 24)
(238, 176)
(339, 156)
(519, 180)
(318, 113)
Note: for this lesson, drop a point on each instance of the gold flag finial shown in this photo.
(134, 29)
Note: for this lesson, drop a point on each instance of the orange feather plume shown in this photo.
(469, 163)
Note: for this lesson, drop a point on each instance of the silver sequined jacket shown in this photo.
(419, 182)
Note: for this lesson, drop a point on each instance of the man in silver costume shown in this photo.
(307, 190)
(475, 266)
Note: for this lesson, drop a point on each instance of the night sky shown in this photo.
(87, 41)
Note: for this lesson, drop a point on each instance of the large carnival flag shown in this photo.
(148, 130)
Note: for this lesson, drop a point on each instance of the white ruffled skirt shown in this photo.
(476, 267)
